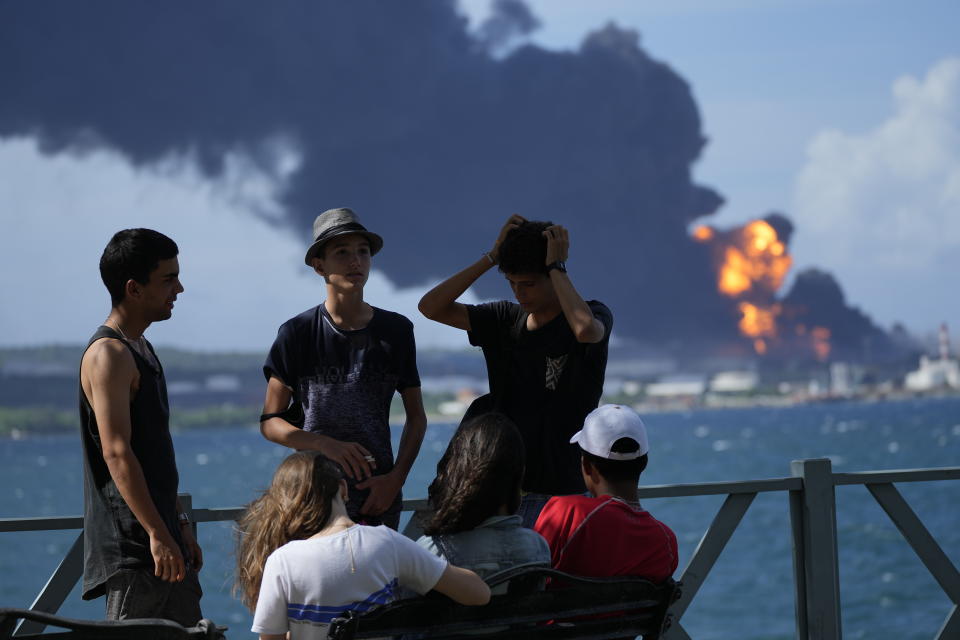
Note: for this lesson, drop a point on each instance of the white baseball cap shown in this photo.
(605, 425)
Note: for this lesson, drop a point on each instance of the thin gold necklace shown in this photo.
(123, 334)
(347, 527)
(137, 345)
(353, 566)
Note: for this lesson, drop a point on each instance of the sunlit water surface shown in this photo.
(885, 590)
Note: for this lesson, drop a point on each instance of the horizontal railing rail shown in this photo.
(812, 500)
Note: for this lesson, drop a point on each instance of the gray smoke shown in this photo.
(403, 114)
(508, 21)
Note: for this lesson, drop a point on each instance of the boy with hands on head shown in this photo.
(546, 353)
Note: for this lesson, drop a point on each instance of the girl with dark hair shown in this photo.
(475, 496)
(301, 560)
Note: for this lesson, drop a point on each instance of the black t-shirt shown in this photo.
(546, 382)
(343, 381)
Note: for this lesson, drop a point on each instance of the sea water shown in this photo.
(885, 589)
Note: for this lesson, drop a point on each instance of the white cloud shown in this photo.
(243, 275)
(882, 209)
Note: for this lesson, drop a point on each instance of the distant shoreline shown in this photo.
(65, 422)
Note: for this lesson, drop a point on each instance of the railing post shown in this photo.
(58, 587)
(799, 564)
(813, 514)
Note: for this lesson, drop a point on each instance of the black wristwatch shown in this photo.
(559, 265)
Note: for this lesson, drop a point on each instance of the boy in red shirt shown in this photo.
(607, 533)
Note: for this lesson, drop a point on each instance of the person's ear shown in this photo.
(132, 288)
(589, 471)
(344, 492)
(318, 266)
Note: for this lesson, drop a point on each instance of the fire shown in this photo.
(755, 260)
(734, 278)
(821, 342)
(703, 233)
(752, 263)
(758, 322)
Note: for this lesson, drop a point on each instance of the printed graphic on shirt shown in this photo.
(555, 370)
(356, 410)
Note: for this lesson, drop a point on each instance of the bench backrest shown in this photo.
(525, 610)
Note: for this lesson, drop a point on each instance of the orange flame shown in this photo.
(703, 233)
(758, 322)
(821, 342)
(757, 260)
(752, 263)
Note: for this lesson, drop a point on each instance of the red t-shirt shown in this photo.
(605, 536)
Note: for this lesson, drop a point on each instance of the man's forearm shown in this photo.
(127, 474)
(584, 325)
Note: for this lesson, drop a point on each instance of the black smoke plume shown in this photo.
(816, 300)
(433, 133)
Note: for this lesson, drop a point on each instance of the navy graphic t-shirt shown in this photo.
(344, 380)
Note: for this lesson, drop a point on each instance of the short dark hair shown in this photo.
(524, 250)
(619, 470)
(481, 470)
(132, 254)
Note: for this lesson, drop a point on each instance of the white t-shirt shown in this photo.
(308, 583)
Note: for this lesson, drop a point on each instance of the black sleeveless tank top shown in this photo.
(113, 538)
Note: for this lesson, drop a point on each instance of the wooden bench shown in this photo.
(134, 629)
(526, 610)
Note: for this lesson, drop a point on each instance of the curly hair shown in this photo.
(480, 471)
(524, 249)
(295, 506)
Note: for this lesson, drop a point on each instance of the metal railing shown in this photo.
(812, 498)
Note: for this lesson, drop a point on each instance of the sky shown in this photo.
(843, 115)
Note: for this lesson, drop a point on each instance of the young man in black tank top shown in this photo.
(139, 548)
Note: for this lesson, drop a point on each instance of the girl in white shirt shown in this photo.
(301, 561)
